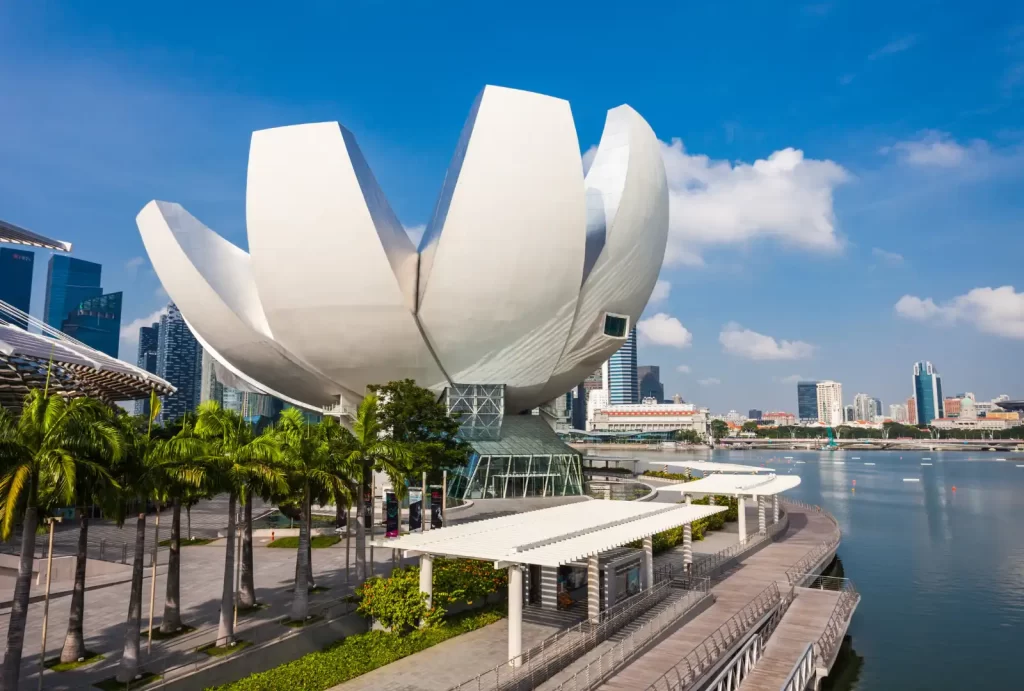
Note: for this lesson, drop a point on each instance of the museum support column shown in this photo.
(741, 516)
(761, 526)
(515, 615)
(593, 589)
(427, 579)
(649, 561)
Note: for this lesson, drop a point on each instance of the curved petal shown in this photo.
(210, 281)
(627, 214)
(502, 260)
(335, 270)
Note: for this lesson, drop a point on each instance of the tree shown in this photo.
(237, 459)
(319, 467)
(719, 429)
(39, 462)
(688, 436)
(373, 451)
(414, 416)
(750, 426)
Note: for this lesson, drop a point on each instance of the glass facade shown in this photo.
(96, 322)
(481, 408)
(927, 392)
(149, 339)
(179, 360)
(807, 401)
(623, 387)
(69, 283)
(649, 378)
(16, 282)
(615, 326)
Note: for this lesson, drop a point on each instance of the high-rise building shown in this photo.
(649, 381)
(951, 406)
(754, 414)
(849, 413)
(928, 392)
(898, 413)
(620, 374)
(16, 282)
(912, 411)
(69, 283)
(149, 340)
(807, 401)
(96, 322)
(594, 381)
(179, 361)
(830, 403)
(864, 408)
(879, 410)
(579, 406)
(260, 405)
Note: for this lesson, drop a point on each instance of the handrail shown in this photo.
(710, 564)
(709, 651)
(803, 672)
(832, 638)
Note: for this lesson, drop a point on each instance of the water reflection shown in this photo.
(846, 671)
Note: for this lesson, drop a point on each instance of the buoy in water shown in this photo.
(954, 488)
(854, 483)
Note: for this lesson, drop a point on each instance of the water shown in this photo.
(941, 573)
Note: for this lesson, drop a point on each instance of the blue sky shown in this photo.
(847, 177)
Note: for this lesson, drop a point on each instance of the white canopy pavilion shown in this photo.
(549, 537)
(713, 467)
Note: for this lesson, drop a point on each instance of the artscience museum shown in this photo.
(530, 275)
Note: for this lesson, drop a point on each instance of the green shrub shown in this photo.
(730, 514)
(317, 541)
(665, 475)
(358, 655)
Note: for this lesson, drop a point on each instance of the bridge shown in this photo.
(906, 444)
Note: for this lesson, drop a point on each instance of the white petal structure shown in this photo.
(528, 275)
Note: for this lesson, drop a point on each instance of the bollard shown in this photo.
(271, 535)
(124, 552)
(102, 545)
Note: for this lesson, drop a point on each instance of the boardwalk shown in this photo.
(807, 529)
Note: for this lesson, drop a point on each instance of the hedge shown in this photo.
(358, 655)
(665, 475)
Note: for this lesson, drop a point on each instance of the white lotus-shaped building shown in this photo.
(528, 277)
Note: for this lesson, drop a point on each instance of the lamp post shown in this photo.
(152, 578)
(51, 520)
(238, 563)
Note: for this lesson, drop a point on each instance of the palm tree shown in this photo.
(317, 458)
(371, 451)
(39, 459)
(237, 460)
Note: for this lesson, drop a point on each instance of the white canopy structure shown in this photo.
(712, 467)
(14, 235)
(737, 485)
(550, 538)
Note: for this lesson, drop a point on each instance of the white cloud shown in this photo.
(710, 381)
(130, 331)
(998, 311)
(683, 369)
(660, 292)
(887, 258)
(935, 149)
(160, 292)
(415, 233)
(792, 379)
(897, 46)
(664, 330)
(786, 197)
(134, 263)
(754, 346)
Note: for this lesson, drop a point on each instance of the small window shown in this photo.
(615, 326)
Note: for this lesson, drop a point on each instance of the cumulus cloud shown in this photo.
(754, 346)
(710, 381)
(661, 291)
(130, 331)
(415, 233)
(936, 149)
(897, 46)
(664, 330)
(683, 369)
(786, 197)
(887, 258)
(134, 263)
(792, 379)
(998, 311)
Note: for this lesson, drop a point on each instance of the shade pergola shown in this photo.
(737, 485)
(14, 235)
(713, 467)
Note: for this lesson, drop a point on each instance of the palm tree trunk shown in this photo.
(74, 642)
(172, 602)
(309, 546)
(247, 591)
(130, 658)
(226, 629)
(361, 527)
(188, 516)
(300, 595)
(19, 608)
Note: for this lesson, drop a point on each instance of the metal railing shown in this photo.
(635, 642)
(710, 651)
(826, 646)
(556, 651)
(730, 678)
(803, 672)
(712, 564)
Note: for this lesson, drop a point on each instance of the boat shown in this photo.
(869, 464)
(911, 479)
(926, 464)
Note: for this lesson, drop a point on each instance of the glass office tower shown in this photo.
(623, 385)
(927, 392)
(69, 283)
(96, 322)
(179, 360)
(807, 401)
(16, 282)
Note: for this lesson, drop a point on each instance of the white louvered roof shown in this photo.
(712, 467)
(552, 536)
(740, 485)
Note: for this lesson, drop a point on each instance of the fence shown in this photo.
(803, 672)
(710, 651)
(711, 566)
(826, 646)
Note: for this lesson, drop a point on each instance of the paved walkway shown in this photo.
(736, 589)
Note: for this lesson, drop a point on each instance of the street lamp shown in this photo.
(51, 520)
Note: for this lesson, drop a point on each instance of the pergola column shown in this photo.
(515, 615)
(775, 509)
(593, 589)
(761, 527)
(687, 540)
(741, 515)
(427, 577)
(649, 560)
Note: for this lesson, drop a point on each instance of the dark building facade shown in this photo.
(96, 322)
(16, 282)
(754, 414)
(578, 411)
(149, 341)
(927, 392)
(69, 283)
(179, 360)
(649, 378)
(807, 401)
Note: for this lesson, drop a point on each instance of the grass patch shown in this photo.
(258, 607)
(159, 635)
(189, 543)
(295, 624)
(318, 541)
(221, 651)
(57, 666)
(112, 684)
(360, 654)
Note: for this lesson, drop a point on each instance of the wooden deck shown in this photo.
(742, 584)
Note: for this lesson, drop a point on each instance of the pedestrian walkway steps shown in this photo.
(803, 623)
